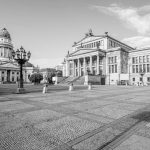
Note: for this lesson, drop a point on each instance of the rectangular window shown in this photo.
(144, 68)
(133, 60)
(109, 68)
(115, 59)
(140, 59)
(112, 68)
(12, 72)
(100, 70)
(133, 79)
(140, 68)
(136, 60)
(100, 61)
(147, 57)
(144, 59)
(133, 68)
(148, 79)
(2, 72)
(141, 79)
(112, 60)
(148, 67)
(137, 68)
(109, 60)
(115, 68)
(2, 78)
(12, 78)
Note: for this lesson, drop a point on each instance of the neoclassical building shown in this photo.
(9, 69)
(107, 60)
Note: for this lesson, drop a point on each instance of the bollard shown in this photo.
(71, 87)
(90, 86)
(45, 88)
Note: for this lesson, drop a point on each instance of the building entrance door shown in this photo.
(8, 75)
(102, 81)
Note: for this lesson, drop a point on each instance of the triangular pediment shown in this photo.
(88, 39)
(9, 65)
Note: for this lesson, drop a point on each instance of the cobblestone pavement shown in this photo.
(106, 117)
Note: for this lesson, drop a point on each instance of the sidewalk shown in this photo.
(107, 117)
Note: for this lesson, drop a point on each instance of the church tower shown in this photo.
(6, 46)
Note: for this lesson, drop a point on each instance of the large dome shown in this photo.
(27, 64)
(4, 33)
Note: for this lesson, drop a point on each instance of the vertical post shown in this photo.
(84, 66)
(73, 73)
(21, 76)
(91, 64)
(97, 64)
(78, 67)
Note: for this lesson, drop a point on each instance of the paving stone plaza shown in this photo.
(106, 117)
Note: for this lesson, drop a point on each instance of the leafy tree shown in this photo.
(36, 78)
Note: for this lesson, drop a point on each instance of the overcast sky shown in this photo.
(48, 28)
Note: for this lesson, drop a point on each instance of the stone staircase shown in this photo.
(68, 80)
(79, 81)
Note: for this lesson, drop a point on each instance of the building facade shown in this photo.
(9, 69)
(105, 57)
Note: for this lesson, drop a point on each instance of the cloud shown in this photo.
(135, 18)
(137, 41)
(46, 63)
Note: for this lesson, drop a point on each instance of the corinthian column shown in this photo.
(84, 66)
(78, 67)
(67, 67)
(91, 64)
(97, 64)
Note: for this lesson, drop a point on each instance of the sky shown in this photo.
(48, 28)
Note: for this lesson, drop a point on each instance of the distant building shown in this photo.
(112, 61)
(9, 69)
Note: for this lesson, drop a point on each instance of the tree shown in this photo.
(36, 78)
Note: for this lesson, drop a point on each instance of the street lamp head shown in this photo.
(13, 54)
(18, 53)
(24, 54)
(29, 54)
(21, 49)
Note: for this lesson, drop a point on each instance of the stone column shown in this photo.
(73, 69)
(78, 67)
(91, 71)
(97, 64)
(67, 67)
(84, 66)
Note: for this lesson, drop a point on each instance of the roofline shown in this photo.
(100, 36)
(103, 36)
(120, 42)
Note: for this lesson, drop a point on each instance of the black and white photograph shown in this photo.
(74, 74)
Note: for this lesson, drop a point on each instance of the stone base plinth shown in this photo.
(20, 90)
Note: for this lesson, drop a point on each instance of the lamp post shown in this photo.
(21, 56)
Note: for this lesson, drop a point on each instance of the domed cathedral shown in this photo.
(6, 46)
(9, 69)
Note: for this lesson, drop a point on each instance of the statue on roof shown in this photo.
(90, 33)
(106, 33)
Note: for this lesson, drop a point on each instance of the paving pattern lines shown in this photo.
(111, 113)
(86, 105)
(13, 105)
(28, 139)
(20, 120)
(135, 142)
(68, 128)
(95, 118)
